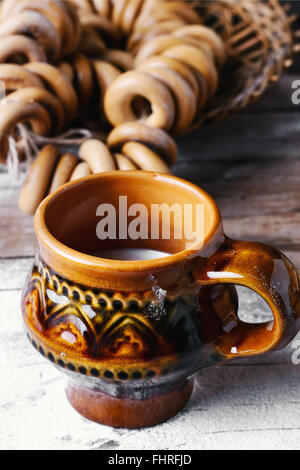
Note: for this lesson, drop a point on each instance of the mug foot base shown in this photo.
(125, 412)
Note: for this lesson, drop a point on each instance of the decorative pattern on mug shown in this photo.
(102, 333)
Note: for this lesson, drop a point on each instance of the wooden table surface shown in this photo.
(251, 165)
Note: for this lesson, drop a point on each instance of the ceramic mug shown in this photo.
(130, 335)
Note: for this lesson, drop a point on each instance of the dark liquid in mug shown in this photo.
(130, 254)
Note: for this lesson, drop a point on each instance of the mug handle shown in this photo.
(269, 273)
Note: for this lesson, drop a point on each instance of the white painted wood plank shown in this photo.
(240, 407)
(13, 273)
(17, 237)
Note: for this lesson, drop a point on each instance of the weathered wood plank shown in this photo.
(245, 136)
(282, 230)
(17, 237)
(258, 200)
(247, 176)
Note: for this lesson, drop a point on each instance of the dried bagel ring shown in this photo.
(156, 46)
(129, 15)
(103, 7)
(83, 77)
(145, 12)
(38, 26)
(81, 169)
(197, 83)
(159, 44)
(158, 19)
(105, 74)
(71, 34)
(67, 69)
(121, 59)
(168, 11)
(178, 66)
(82, 6)
(101, 25)
(97, 155)
(17, 45)
(91, 43)
(43, 97)
(137, 39)
(144, 157)
(207, 35)
(155, 138)
(65, 22)
(5, 9)
(12, 114)
(199, 44)
(37, 181)
(185, 99)
(75, 22)
(63, 171)
(119, 97)
(150, 16)
(117, 10)
(55, 12)
(200, 61)
(16, 77)
(58, 84)
(124, 163)
(182, 10)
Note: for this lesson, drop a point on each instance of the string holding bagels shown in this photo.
(147, 67)
(172, 33)
(132, 147)
(158, 18)
(153, 67)
(92, 77)
(39, 95)
(61, 91)
(177, 73)
(166, 75)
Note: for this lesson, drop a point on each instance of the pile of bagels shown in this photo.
(141, 70)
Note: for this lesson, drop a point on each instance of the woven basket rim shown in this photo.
(271, 26)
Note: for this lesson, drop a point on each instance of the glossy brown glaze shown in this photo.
(269, 273)
(129, 413)
(119, 335)
(128, 334)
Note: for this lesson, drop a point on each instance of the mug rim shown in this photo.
(50, 242)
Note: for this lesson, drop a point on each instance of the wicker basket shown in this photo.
(260, 43)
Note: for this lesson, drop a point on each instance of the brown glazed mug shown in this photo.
(130, 335)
